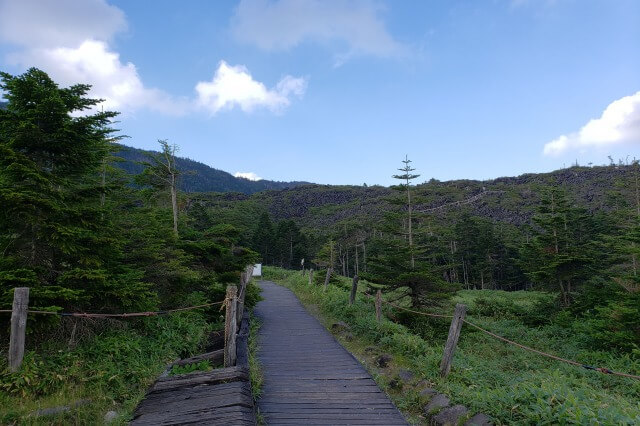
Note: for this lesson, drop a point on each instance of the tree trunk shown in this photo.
(565, 300)
(410, 230)
(103, 181)
(364, 256)
(357, 270)
(174, 203)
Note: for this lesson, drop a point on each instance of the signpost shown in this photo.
(257, 270)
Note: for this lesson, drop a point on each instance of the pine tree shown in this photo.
(395, 261)
(562, 253)
(50, 227)
(262, 239)
(407, 176)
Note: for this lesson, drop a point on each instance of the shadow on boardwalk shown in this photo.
(309, 378)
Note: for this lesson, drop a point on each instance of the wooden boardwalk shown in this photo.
(309, 378)
(218, 397)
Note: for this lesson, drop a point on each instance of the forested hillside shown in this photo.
(574, 232)
(198, 177)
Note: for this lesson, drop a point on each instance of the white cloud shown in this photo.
(93, 63)
(69, 39)
(247, 175)
(48, 23)
(283, 24)
(619, 123)
(233, 86)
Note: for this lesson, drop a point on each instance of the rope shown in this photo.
(416, 312)
(125, 315)
(527, 348)
(557, 358)
(409, 310)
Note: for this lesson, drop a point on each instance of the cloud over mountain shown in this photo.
(619, 123)
(233, 86)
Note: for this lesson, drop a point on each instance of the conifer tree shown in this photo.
(263, 238)
(407, 176)
(50, 229)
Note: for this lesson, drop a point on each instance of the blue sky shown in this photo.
(339, 91)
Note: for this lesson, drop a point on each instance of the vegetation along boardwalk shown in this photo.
(309, 378)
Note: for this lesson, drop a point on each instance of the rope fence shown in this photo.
(233, 304)
(504, 339)
(124, 315)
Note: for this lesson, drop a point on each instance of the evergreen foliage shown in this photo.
(76, 231)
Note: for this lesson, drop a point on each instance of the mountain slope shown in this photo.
(508, 200)
(198, 177)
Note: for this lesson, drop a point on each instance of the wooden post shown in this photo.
(354, 288)
(242, 291)
(326, 278)
(452, 340)
(18, 327)
(310, 276)
(378, 305)
(230, 326)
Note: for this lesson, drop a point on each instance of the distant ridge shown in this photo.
(201, 178)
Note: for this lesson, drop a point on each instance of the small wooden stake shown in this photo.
(18, 327)
(452, 340)
(354, 288)
(378, 305)
(230, 327)
(310, 275)
(326, 279)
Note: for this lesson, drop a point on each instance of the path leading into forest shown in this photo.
(309, 378)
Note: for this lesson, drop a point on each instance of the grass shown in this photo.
(511, 385)
(177, 370)
(255, 370)
(112, 370)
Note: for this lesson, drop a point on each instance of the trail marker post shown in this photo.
(230, 326)
(327, 278)
(378, 305)
(354, 289)
(18, 327)
(452, 340)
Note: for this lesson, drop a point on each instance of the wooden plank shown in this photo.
(18, 327)
(214, 357)
(221, 375)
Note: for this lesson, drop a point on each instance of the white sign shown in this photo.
(257, 270)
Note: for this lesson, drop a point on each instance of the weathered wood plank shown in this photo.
(221, 375)
(309, 378)
(214, 357)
